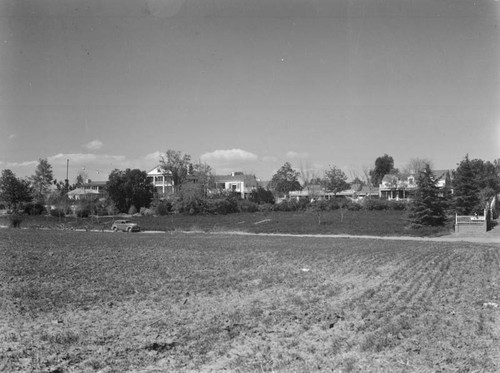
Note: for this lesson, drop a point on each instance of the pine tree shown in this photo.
(42, 179)
(465, 188)
(427, 208)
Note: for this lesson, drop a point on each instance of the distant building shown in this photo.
(317, 192)
(237, 182)
(89, 188)
(162, 181)
(403, 186)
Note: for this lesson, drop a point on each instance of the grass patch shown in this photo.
(85, 301)
(378, 223)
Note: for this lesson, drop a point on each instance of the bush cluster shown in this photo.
(34, 208)
(15, 220)
(222, 204)
(334, 204)
(58, 212)
(383, 204)
(162, 208)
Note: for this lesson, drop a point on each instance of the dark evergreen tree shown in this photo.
(383, 165)
(261, 195)
(427, 208)
(465, 188)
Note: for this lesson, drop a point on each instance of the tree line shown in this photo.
(474, 182)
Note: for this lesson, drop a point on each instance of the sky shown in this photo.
(247, 85)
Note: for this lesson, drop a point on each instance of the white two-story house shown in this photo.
(162, 181)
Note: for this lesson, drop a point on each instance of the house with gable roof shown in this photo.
(237, 182)
(88, 188)
(162, 181)
(403, 186)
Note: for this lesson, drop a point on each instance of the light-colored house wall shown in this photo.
(397, 187)
(237, 182)
(162, 181)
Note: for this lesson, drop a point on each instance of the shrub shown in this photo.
(319, 206)
(111, 209)
(35, 208)
(247, 206)
(190, 205)
(146, 212)
(375, 204)
(15, 220)
(351, 205)
(398, 205)
(223, 206)
(261, 195)
(101, 211)
(58, 213)
(332, 204)
(163, 208)
(82, 212)
(265, 207)
(286, 206)
(132, 210)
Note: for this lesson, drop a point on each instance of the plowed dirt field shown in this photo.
(93, 301)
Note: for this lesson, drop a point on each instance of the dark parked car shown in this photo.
(125, 226)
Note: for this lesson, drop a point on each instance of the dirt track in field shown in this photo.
(487, 238)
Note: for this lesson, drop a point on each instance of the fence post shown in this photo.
(486, 218)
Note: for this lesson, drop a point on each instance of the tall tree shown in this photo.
(285, 180)
(427, 208)
(335, 180)
(14, 190)
(261, 195)
(42, 179)
(177, 165)
(130, 188)
(474, 182)
(204, 174)
(383, 165)
(80, 178)
(417, 165)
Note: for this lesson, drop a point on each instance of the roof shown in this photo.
(440, 173)
(158, 171)
(94, 183)
(314, 188)
(402, 176)
(247, 179)
(80, 191)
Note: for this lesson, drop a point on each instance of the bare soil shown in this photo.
(92, 301)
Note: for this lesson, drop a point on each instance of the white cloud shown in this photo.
(94, 145)
(296, 155)
(154, 156)
(12, 136)
(18, 164)
(228, 155)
